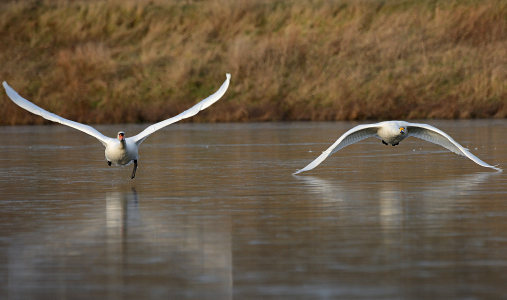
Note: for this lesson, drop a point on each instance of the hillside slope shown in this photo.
(142, 61)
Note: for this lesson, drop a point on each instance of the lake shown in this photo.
(215, 213)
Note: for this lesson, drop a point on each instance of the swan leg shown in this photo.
(108, 163)
(395, 144)
(134, 170)
(384, 143)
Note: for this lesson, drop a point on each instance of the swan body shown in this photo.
(121, 153)
(121, 150)
(393, 132)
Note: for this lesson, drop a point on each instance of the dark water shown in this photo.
(215, 213)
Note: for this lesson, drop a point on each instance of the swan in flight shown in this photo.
(121, 150)
(393, 132)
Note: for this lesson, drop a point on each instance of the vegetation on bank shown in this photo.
(143, 61)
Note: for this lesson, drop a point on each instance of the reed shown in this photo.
(142, 61)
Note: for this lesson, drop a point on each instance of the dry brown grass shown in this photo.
(142, 61)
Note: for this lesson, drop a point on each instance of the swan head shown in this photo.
(403, 130)
(121, 136)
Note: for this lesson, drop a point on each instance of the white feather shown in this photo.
(352, 136)
(139, 138)
(436, 136)
(22, 102)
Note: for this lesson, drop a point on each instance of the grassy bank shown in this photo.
(142, 61)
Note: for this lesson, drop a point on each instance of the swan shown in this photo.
(393, 132)
(121, 150)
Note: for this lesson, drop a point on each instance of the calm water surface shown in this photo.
(215, 213)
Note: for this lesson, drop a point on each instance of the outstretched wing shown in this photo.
(436, 136)
(352, 136)
(139, 138)
(22, 102)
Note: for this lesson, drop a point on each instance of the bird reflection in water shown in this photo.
(169, 245)
(122, 214)
(122, 210)
(396, 198)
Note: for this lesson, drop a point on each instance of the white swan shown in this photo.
(123, 150)
(393, 132)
